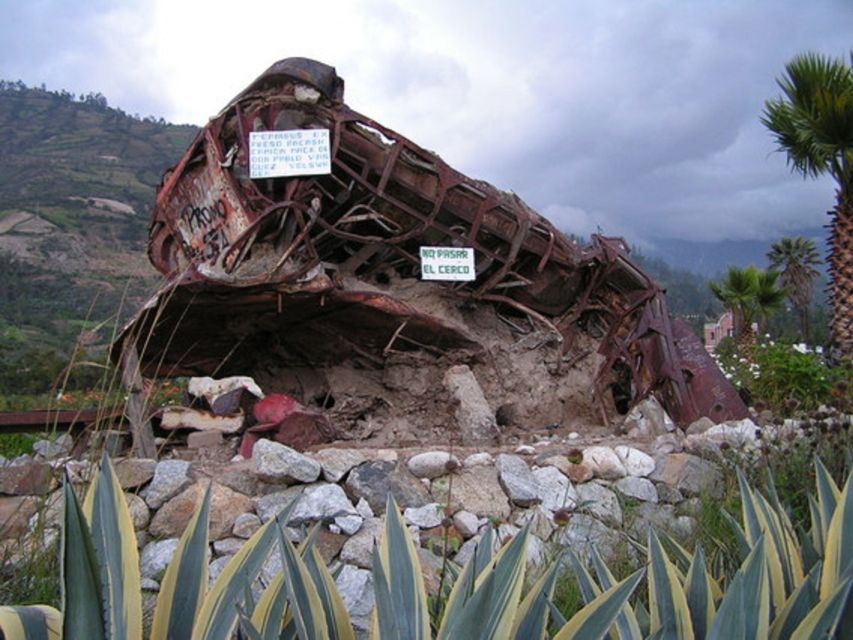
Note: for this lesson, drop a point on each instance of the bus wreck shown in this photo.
(311, 279)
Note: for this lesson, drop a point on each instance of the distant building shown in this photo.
(724, 327)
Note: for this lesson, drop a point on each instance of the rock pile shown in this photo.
(568, 495)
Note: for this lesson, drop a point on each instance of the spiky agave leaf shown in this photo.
(824, 619)
(803, 600)
(627, 625)
(396, 560)
(34, 622)
(593, 621)
(219, 614)
(699, 591)
(114, 543)
(184, 585)
(81, 582)
(838, 556)
(667, 601)
(744, 613)
(489, 611)
(531, 619)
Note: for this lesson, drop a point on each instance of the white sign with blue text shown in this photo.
(447, 263)
(300, 152)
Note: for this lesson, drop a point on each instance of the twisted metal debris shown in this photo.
(297, 257)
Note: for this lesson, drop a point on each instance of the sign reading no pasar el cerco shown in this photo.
(299, 152)
(447, 263)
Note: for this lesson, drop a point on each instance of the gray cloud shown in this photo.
(636, 117)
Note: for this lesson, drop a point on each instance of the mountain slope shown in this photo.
(77, 181)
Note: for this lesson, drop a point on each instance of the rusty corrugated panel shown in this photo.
(249, 259)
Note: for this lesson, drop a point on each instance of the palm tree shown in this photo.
(813, 124)
(797, 259)
(751, 295)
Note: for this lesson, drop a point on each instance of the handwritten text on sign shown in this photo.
(447, 263)
(302, 152)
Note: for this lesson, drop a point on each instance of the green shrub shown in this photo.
(784, 378)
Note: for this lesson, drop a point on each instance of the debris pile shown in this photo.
(312, 280)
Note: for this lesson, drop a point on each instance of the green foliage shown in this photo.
(786, 374)
(783, 377)
(751, 294)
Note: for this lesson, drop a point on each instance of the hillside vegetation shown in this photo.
(77, 182)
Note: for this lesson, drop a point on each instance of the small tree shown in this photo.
(751, 295)
(797, 259)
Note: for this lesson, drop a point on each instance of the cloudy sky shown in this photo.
(635, 117)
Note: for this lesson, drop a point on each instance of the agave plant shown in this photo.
(786, 587)
(101, 592)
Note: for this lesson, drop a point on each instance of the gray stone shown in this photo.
(148, 584)
(661, 517)
(604, 463)
(689, 474)
(215, 568)
(668, 443)
(481, 459)
(555, 489)
(225, 505)
(466, 523)
(349, 524)
(18, 514)
(647, 419)
(539, 519)
(637, 463)
(132, 473)
(425, 517)
(170, 478)
(275, 462)
(639, 488)
(669, 494)
(79, 471)
(699, 426)
(27, 479)
(517, 480)
(245, 525)
(228, 546)
(577, 473)
(476, 490)
(736, 433)
(356, 589)
(476, 420)
(336, 463)
(431, 464)
(601, 502)
(466, 551)
(156, 556)
(358, 550)
(583, 532)
(50, 450)
(362, 507)
(139, 513)
(321, 502)
(536, 554)
(526, 450)
(270, 505)
(373, 481)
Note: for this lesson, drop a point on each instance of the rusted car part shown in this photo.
(287, 421)
(300, 260)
